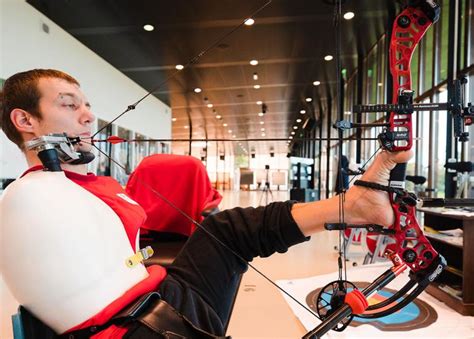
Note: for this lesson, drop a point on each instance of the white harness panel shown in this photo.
(62, 250)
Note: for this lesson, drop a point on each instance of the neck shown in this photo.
(33, 160)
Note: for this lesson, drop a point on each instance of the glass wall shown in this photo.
(430, 69)
(433, 61)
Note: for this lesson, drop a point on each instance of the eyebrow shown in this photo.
(74, 96)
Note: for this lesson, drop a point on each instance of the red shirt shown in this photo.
(132, 216)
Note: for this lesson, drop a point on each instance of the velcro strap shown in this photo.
(379, 187)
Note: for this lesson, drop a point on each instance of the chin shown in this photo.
(84, 148)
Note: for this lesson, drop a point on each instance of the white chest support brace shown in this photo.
(63, 251)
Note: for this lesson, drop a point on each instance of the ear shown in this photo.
(23, 121)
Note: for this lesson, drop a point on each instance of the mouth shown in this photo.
(85, 135)
(84, 138)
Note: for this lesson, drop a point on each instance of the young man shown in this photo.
(202, 280)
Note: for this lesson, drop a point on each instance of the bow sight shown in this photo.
(463, 115)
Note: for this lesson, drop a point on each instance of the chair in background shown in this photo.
(183, 180)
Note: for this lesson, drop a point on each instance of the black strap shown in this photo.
(126, 315)
(168, 322)
(402, 196)
(379, 187)
(154, 313)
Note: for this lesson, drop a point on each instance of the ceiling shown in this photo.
(289, 39)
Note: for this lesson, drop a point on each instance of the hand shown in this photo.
(365, 205)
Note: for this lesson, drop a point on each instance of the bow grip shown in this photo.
(397, 175)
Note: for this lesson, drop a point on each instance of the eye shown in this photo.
(71, 106)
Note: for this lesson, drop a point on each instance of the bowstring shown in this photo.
(342, 248)
(210, 234)
(341, 260)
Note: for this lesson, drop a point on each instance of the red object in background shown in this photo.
(181, 179)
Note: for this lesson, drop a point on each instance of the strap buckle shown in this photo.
(137, 258)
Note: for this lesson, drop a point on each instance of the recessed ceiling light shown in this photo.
(224, 124)
(249, 22)
(186, 127)
(298, 120)
(260, 114)
(295, 127)
(262, 122)
(293, 133)
(254, 62)
(316, 83)
(210, 105)
(256, 86)
(380, 84)
(263, 134)
(148, 28)
(218, 117)
(197, 90)
(349, 15)
(262, 129)
(290, 137)
(230, 131)
(308, 99)
(255, 76)
(179, 67)
(174, 119)
(303, 111)
(259, 102)
(233, 136)
(328, 57)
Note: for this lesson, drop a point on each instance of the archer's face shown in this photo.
(64, 109)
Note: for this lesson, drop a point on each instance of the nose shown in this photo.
(87, 117)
